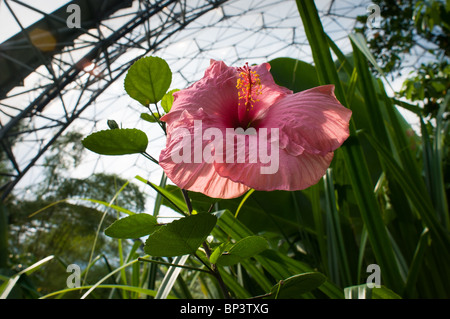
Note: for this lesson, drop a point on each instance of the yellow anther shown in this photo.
(249, 86)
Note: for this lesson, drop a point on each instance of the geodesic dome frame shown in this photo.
(60, 77)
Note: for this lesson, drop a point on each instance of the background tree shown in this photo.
(405, 28)
(408, 26)
(68, 229)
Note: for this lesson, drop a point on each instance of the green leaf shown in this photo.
(352, 151)
(150, 118)
(118, 208)
(418, 199)
(338, 255)
(364, 292)
(139, 290)
(134, 226)
(294, 74)
(180, 237)
(167, 100)
(317, 38)
(200, 202)
(293, 287)
(265, 211)
(7, 286)
(116, 142)
(276, 263)
(433, 163)
(234, 286)
(384, 293)
(148, 79)
(219, 251)
(175, 201)
(359, 40)
(159, 198)
(245, 248)
(170, 277)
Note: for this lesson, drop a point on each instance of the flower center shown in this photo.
(249, 86)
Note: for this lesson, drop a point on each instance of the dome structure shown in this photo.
(62, 72)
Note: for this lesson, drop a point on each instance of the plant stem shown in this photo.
(215, 271)
(170, 264)
(148, 156)
(187, 200)
(161, 124)
(165, 197)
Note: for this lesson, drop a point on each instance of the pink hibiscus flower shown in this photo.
(235, 129)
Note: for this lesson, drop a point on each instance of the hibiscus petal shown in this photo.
(191, 175)
(215, 93)
(311, 120)
(288, 172)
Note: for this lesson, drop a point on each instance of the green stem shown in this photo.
(168, 199)
(215, 271)
(187, 200)
(148, 156)
(170, 264)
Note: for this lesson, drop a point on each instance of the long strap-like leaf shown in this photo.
(352, 151)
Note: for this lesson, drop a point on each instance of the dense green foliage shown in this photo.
(407, 27)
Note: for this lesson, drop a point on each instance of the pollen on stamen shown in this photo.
(249, 86)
